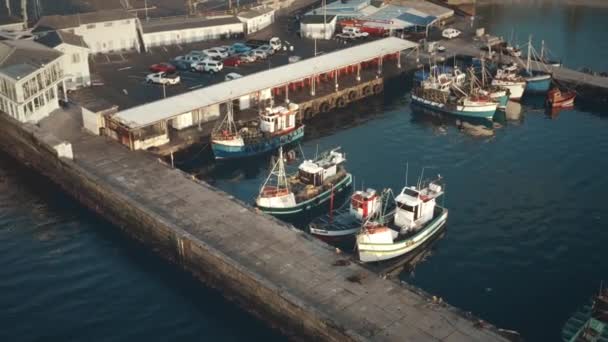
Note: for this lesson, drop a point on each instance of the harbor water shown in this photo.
(524, 245)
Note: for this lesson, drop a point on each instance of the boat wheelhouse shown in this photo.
(276, 126)
(317, 181)
(347, 220)
(508, 78)
(415, 219)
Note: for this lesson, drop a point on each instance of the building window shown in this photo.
(109, 24)
(91, 26)
(75, 58)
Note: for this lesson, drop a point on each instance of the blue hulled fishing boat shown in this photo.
(536, 81)
(275, 127)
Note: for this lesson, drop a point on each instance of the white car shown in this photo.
(163, 78)
(346, 35)
(259, 54)
(450, 33)
(194, 59)
(227, 49)
(266, 48)
(232, 76)
(216, 52)
(248, 57)
(209, 65)
(356, 31)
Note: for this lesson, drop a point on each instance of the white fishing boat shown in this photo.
(347, 220)
(315, 183)
(415, 220)
(508, 78)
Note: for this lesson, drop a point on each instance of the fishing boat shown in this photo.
(507, 78)
(560, 99)
(275, 126)
(415, 219)
(437, 93)
(536, 81)
(316, 182)
(347, 220)
(497, 94)
(589, 324)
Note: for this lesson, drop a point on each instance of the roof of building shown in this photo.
(168, 108)
(55, 38)
(426, 7)
(255, 12)
(19, 58)
(182, 23)
(58, 22)
(406, 15)
(348, 9)
(316, 19)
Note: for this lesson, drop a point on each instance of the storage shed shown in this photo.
(314, 27)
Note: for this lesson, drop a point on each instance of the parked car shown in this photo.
(266, 48)
(256, 43)
(233, 61)
(441, 48)
(346, 36)
(216, 52)
(240, 48)
(248, 57)
(227, 49)
(356, 31)
(275, 43)
(232, 76)
(181, 64)
(195, 59)
(163, 78)
(450, 33)
(209, 65)
(164, 67)
(259, 54)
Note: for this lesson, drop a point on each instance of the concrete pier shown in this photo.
(272, 270)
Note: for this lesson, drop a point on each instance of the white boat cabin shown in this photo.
(315, 172)
(416, 207)
(278, 119)
(364, 203)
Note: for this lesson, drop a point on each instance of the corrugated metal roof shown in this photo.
(168, 108)
(416, 19)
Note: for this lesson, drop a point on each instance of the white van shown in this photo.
(209, 65)
(275, 43)
(354, 31)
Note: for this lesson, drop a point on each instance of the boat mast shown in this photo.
(529, 53)
(227, 122)
(542, 51)
(278, 171)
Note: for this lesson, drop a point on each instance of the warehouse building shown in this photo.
(178, 30)
(318, 26)
(102, 31)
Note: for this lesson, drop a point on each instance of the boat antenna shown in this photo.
(407, 167)
(301, 151)
(529, 54)
(317, 153)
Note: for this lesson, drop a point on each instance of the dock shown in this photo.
(274, 271)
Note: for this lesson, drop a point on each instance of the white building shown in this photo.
(177, 30)
(313, 26)
(75, 60)
(256, 19)
(103, 31)
(31, 79)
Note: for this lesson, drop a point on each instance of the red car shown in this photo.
(162, 67)
(233, 61)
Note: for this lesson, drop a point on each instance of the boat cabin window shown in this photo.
(406, 207)
(410, 192)
(310, 178)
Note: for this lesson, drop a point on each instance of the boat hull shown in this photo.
(227, 151)
(369, 252)
(342, 224)
(516, 89)
(314, 202)
(502, 98)
(485, 112)
(538, 83)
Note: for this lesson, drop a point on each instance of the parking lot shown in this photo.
(120, 78)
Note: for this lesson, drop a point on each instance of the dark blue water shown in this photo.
(67, 275)
(525, 244)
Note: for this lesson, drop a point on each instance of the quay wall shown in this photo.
(268, 302)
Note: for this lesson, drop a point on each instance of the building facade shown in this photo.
(31, 80)
(75, 59)
(102, 31)
(313, 26)
(256, 19)
(181, 30)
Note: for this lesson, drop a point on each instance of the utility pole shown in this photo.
(24, 12)
(8, 7)
(146, 9)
